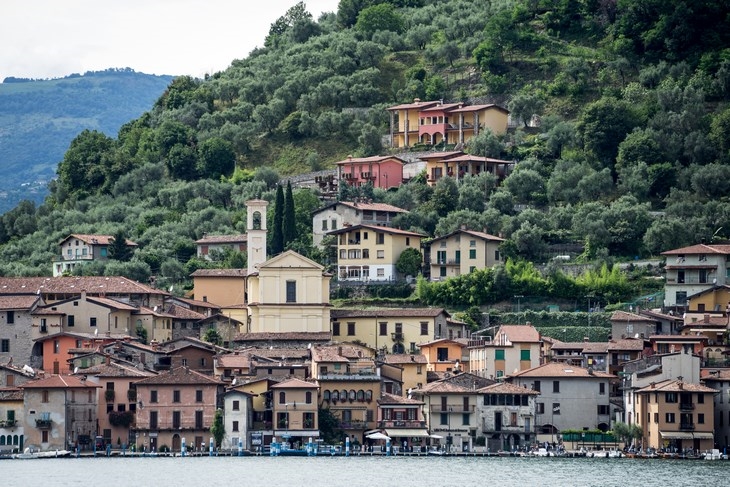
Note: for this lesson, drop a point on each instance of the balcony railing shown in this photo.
(438, 408)
(401, 424)
(686, 426)
(397, 337)
(686, 406)
(353, 425)
(43, 423)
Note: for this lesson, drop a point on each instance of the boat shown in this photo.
(605, 454)
(29, 454)
(714, 454)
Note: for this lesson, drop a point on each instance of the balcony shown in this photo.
(438, 408)
(43, 423)
(401, 424)
(352, 425)
(686, 426)
(686, 406)
(396, 337)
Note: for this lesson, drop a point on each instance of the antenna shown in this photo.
(96, 332)
(76, 370)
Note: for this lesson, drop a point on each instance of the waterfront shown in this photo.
(365, 471)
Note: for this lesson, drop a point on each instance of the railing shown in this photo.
(353, 425)
(686, 426)
(438, 408)
(686, 406)
(396, 337)
(43, 423)
(401, 424)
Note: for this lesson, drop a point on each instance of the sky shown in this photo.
(54, 38)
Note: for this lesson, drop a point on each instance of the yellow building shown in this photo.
(463, 251)
(295, 410)
(412, 370)
(369, 253)
(457, 164)
(398, 330)
(223, 287)
(676, 415)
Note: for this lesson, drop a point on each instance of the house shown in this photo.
(463, 251)
(238, 418)
(506, 415)
(719, 379)
(370, 253)
(12, 426)
(175, 404)
(457, 164)
(348, 213)
(715, 301)
(715, 330)
(16, 328)
(211, 247)
(79, 249)
(397, 330)
(295, 411)
(446, 355)
(224, 287)
(402, 419)
(632, 325)
(148, 357)
(434, 122)
(571, 397)
(349, 381)
(513, 348)
(12, 376)
(226, 327)
(405, 371)
(450, 406)
(154, 323)
(60, 413)
(383, 172)
(676, 415)
(691, 270)
(117, 401)
(694, 344)
(54, 352)
(193, 353)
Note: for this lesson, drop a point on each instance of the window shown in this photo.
(424, 328)
(351, 328)
(381, 254)
(236, 405)
(525, 354)
(235, 423)
(556, 408)
(604, 409)
(308, 397)
(176, 396)
(496, 255)
(202, 362)
(282, 397)
(465, 419)
(700, 418)
(442, 354)
(176, 419)
(536, 386)
(602, 388)
(308, 420)
(324, 225)
(670, 397)
(282, 420)
(556, 386)
(379, 238)
(92, 321)
(44, 396)
(383, 328)
(499, 355)
(701, 398)
(336, 329)
(540, 408)
(5, 345)
(70, 320)
(56, 346)
(153, 396)
(153, 420)
(472, 253)
(419, 369)
(198, 419)
(669, 418)
(656, 418)
(444, 418)
(11, 317)
(44, 434)
(334, 224)
(291, 291)
(199, 395)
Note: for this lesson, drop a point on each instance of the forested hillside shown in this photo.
(622, 144)
(39, 118)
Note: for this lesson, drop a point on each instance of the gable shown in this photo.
(290, 259)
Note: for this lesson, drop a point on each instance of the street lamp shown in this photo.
(519, 308)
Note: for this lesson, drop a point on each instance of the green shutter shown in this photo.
(525, 354)
(499, 355)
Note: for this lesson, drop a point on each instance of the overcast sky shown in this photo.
(55, 38)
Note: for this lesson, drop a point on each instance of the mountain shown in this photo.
(39, 118)
(621, 126)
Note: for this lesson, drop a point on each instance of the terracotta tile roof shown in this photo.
(385, 312)
(199, 304)
(367, 160)
(677, 338)
(658, 315)
(470, 158)
(277, 353)
(222, 239)
(295, 384)
(384, 207)
(93, 285)
(676, 386)
(404, 358)
(445, 107)
(438, 341)
(114, 370)
(96, 239)
(507, 388)
(623, 316)
(476, 108)
(444, 388)
(440, 155)
(416, 104)
(388, 399)
(183, 313)
(233, 361)
(112, 303)
(700, 249)
(715, 374)
(596, 347)
(479, 235)
(8, 303)
(635, 344)
(338, 353)
(519, 333)
(554, 369)
(59, 382)
(579, 346)
(180, 375)
(47, 312)
(316, 336)
(457, 384)
(220, 273)
(374, 228)
(712, 322)
(102, 339)
(11, 394)
(160, 313)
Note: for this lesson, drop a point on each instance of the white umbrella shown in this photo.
(378, 436)
(438, 437)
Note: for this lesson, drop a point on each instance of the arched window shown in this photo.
(368, 395)
(360, 395)
(256, 220)
(335, 396)
(352, 395)
(326, 395)
(282, 397)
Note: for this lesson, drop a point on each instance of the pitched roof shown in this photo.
(440, 155)
(392, 399)
(58, 382)
(554, 369)
(476, 108)
(519, 333)
(676, 386)
(336, 353)
(183, 313)
(480, 235)
(367, 160)
(416, 104)
(11, 394)
(635, 344)
(507, 388)
(220, 273)
(363, 206)
(93, 285)
(180, 375)
(222, 239)
(391, 230)
(284, 336)
(295, 384)
(700, 249)
(96, 239)
(405, 358)
(8, 303)
(385, 312)
(114, 370)
(715, 374)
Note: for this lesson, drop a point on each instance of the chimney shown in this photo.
(707, 318)
(108, 359)
(652, 385)
(339, 351)
(205, 299)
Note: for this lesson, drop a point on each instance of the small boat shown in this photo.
(29, 454)
(714, 454)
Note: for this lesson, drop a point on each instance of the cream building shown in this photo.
(463, 251)
(514, 348)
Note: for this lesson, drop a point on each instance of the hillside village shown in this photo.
(264, 350)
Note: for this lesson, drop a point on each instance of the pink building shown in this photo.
(382, 171)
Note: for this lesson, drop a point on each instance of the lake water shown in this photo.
(364, 471)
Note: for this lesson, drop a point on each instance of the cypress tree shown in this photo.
(290, 224)
(277, 234)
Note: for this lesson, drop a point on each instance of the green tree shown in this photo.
(409, 262)
(218, 430)
(118, 247)
(289, 228)
(216, 158)
(277, 230)
(379, 17)
(445, 196)
(211, 335)
(84, 164)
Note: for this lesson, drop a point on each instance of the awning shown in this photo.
(681, 435)
(407, 432)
